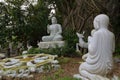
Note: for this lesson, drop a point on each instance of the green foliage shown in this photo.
(53, 51)
(117, 50)
(116, 27)
(57, 76)
(34, 51)
(69, 48)
(71, 39)
(60, 78)
(68, 78)
(3, 23)
(63, 60)
(25, 25)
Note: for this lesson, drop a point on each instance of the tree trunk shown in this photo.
(79, 14)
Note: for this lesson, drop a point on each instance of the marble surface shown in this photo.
(98, 62)
(52, 44)
(55, 31)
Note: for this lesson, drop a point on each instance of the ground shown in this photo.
(69, 67)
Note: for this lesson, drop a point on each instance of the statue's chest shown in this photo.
(53, 28)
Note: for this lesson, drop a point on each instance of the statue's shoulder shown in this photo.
(112, 34)
(97, 33)
(50, 26)
(58, 25)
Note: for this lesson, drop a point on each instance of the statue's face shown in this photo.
(54, 21)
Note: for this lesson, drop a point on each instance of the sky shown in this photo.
(1, 0)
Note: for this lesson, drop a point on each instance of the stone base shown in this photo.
(2, 55)
(96, 77)
(77, 76)
(52, 44)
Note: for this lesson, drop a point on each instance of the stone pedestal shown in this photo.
(51, 44)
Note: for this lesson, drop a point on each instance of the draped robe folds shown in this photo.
(55, 33)
(100, 49)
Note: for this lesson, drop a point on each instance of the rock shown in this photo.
(55, 62)
(2, 56)
(24, 52)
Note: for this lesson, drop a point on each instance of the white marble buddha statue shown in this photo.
(54, 30)
(99, 59)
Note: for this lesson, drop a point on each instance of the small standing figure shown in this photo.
(82, 43)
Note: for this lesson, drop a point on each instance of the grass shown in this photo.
(63, 60)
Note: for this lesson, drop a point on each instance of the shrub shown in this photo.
(69, 49)
(34, 51)
(71, 39)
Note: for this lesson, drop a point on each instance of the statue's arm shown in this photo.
(113, 43)
(94, 43)
(48, 30)
(59, 29)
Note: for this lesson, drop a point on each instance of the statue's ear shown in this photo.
(83, 32)
(98, 24)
